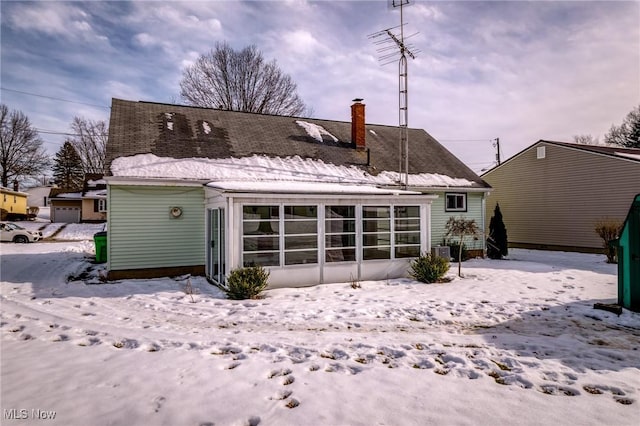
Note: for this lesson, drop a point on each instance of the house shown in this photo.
(13, 204)
(86, 205)
(38, 196)
(551, 194)
(205, 191)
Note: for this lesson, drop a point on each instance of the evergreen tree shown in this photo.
(67, 168)
(497, 244)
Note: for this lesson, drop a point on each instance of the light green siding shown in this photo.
(439, 218)
(142, 234)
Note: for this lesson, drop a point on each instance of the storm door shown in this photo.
(216, 264)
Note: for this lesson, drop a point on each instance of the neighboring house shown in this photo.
(38, 196)
(94, 199)
(13, 204)
(86, 205)
(552, 193)
(205, 191)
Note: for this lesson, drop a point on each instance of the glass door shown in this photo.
(216, 264)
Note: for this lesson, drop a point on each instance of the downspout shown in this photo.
(484, 219)
(229, 238)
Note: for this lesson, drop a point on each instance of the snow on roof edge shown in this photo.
(263, 168)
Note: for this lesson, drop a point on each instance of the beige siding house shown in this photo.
(552, 193)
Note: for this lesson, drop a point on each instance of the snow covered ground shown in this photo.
(514, 342)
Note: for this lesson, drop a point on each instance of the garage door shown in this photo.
(66, 214)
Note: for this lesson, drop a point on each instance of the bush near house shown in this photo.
(609, 230)
(246, 283)
(429, 269)
(454, 249)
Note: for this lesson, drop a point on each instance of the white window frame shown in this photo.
(455, 209)
(102, 205)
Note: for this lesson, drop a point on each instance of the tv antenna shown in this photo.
(392, 44)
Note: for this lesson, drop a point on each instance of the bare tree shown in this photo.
(21, 151)
(90, 142)
(628, 133)
(586, 140)
(240, 81)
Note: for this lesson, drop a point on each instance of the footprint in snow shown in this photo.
(558, 390)
(157, 403)
(281, 395)
(277, 373)
(60, 338)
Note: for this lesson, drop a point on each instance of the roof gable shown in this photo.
(180, 132)
(619, 153)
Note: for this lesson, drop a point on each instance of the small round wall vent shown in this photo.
(175, 212)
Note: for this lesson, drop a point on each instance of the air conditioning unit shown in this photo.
(441, 251)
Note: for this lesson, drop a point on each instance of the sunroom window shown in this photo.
(407, 231)
(300, 235)
(376, 232)
(340, 233)
(261, 235)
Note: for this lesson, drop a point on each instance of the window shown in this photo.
(261, 235)
(100, 205)
(541, 152)
(340, 233)
(300, 235)
(269, 230)
(456, 203)
(407, 231)
(376, 232)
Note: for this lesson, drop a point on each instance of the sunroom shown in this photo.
(307, 233)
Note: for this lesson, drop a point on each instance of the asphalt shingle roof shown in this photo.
(184, 132)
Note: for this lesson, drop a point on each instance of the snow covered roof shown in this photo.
(191, 133)
(71, 195)
(259, 168)
(305, 188)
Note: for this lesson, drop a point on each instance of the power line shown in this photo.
(56, 132)
(465, 140)
(52, 98)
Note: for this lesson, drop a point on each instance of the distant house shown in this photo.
(13, 204)
(38, 196)
(85, 205)
(205, 191)
(552, 193)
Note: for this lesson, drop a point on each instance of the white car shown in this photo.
(9, 231)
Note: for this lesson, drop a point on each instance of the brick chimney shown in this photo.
(357, 124)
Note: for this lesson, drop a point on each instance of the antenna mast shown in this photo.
(391, 42)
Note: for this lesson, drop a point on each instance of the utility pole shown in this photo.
(497, 146)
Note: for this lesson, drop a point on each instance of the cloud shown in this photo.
(520, 71)
(53, 19)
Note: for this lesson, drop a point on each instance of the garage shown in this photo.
(66, 214)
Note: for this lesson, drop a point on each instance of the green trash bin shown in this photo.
(629, 259)
(100, 240)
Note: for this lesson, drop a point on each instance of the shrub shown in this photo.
(609, 230)
(428, 268)
(246, 283)
(454, 247)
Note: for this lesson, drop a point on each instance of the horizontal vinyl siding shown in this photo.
(557, 200)
(143, 235)
(439, 218)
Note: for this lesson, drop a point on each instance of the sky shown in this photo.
(517, 71)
